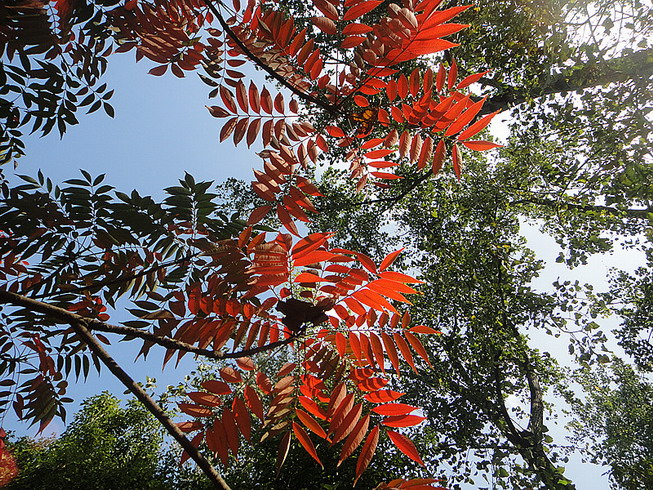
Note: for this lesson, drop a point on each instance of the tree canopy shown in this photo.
(375, 143)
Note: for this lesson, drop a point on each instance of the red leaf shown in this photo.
(367, 453)
(477, 127)
(217, 387)
(457, 160)
(325, 24)
(230, 429)
(481, 145)
(195, 410)
(310, 423)
(366, 262)
(306, 442)
(254, 402)
(217, 111)
(230, 375)
(348, 423)
(372, 384)
(360, 9)
(405, 445)
(389, 259)
(356, 29)
(394, 409)
(335, 131)
(258, 214)
(354, 439)
(403, 421)
(203, 398)
(383, 396)
(242, 417)
(157, 71)
(361, 101)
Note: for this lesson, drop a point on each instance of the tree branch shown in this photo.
(259, 62)
(66, 316)
(93, 344)
(637, 65)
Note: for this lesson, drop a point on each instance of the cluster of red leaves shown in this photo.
(338, 389)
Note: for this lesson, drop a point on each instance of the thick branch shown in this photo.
(66, 316)
(638, 65)
(93, 344)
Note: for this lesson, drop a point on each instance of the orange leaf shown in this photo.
(481, 145)
(467, 81)
(254, 402)
(306, 442)
(405, 445)
(405, 350)
(308, 277)
(391, 351)
(354, 439)
(367, 453)
(360, 9)
(403, 421)
(312, 407)
(477, 127)
(310, 423)
(400, 277)
(394, 409)
(424, 329)
(383, 396)
(417, 345)
(465, 117)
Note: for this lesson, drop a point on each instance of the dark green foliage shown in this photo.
(107, 446)
(614, 423)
